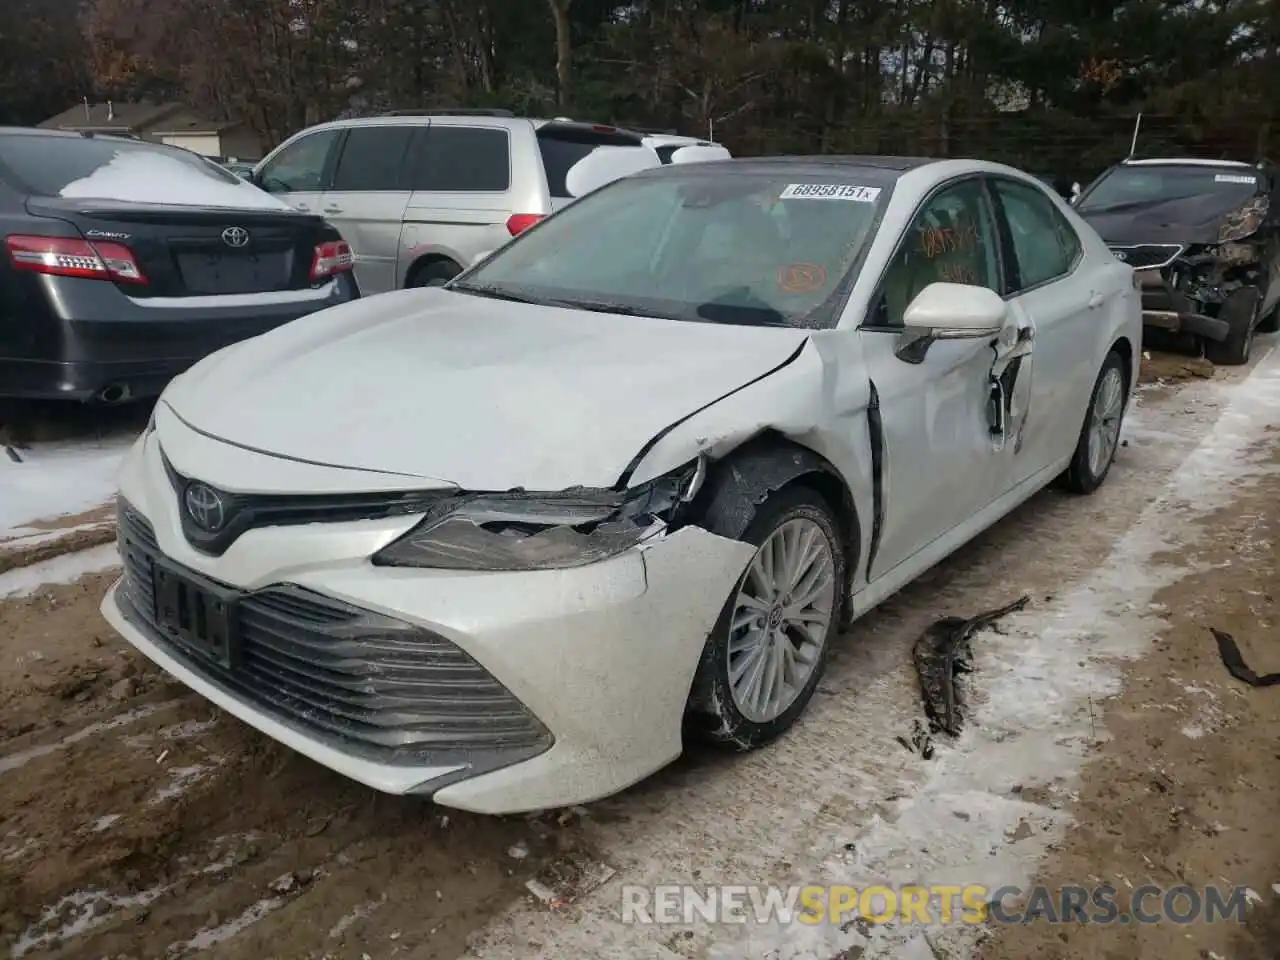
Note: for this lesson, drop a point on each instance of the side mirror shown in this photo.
(956, 311)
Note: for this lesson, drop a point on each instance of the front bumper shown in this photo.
(1167, 309)
(599, 658)
(83, 337)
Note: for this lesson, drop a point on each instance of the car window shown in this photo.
(300, 166)
(372, 159)
(689, 245)
(952, 240)
(460, 160)
(47, 165)
(1045, 244)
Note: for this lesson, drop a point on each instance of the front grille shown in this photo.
(368, 684)
(246, 512)
(1148, 256)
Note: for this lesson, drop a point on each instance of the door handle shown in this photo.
(301, 206)
(1096, 300)
(332, 209)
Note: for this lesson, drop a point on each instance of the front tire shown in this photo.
(1240, 311)
(1100, 435)
(768, 649)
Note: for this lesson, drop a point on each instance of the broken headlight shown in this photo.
(523, 531)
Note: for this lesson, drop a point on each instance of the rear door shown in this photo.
(366, 200)
(1065, 304)
(300, 171)
(460, 174)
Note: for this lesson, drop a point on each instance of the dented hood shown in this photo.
(484, 394)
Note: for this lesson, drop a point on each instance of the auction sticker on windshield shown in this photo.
(1234, 178)
(830, 191)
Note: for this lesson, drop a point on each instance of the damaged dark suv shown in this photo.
(1204, 239)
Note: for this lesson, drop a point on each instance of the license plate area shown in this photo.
(196, 614)
(221, 273)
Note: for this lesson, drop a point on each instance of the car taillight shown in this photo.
(332, 258)
(520, 222)
(66, 257)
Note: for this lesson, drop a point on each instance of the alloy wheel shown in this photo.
(781, 617)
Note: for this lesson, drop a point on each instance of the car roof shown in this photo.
(68, 134)
(1186, 162)
(809, 165)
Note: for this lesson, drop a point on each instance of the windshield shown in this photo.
(1230, 186)
(714, 247)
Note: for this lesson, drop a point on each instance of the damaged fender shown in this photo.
(809, 416)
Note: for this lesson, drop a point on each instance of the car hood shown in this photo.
(488, 395)
(1197, 219)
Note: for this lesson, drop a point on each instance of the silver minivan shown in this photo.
(421, 195)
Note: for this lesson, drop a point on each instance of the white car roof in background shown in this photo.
(1187, 162)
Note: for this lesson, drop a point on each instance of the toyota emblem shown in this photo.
(235, 237)
(205, 506)
(1120, 255)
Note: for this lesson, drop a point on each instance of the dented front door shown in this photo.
(935, 441)
(934, 408)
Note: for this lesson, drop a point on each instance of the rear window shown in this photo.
(47, 165)
(563, 145)
(558, 155)
(460, 160)
(372, 159)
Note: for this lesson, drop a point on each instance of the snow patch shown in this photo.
(79, 913)
(155, 177)
(57, 480)
(355, 916)
(210, 937)
(182, 779)
(15, 761)
(68, 568)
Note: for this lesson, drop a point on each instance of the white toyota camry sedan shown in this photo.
(506, 543)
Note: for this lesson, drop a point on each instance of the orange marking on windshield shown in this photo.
(801, 277)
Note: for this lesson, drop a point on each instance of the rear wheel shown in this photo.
(434, 274)
(767, 652)
(1240, 311)
(1100, 435)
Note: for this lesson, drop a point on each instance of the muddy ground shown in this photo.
(137, 822)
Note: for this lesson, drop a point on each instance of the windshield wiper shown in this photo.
(495, 293)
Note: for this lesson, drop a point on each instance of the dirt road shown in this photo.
(136, 822)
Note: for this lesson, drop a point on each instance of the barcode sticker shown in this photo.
(830, 191)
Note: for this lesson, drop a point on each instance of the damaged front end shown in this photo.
(1185, 285)
(518, 530)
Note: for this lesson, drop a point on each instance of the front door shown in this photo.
(367, 200)
(299, 173)
(935, 409)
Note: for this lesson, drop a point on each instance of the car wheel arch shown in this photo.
(741, 481)
(425, 262)
(1127, 354)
